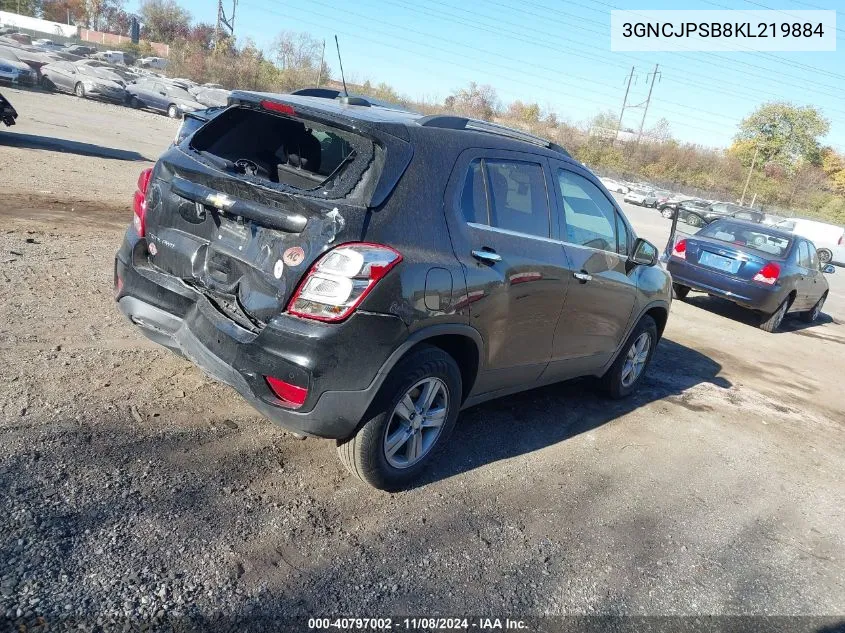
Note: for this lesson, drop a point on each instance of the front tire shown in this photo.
(824, 255)
(173, 111)
(410, 420)
(79, 90)
(812, 315)
(772, 322)
(667, 213)
(629, 367)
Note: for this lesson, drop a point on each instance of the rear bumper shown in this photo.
(748, 294)
(341, 365)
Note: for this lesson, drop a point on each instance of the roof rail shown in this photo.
(463, 123)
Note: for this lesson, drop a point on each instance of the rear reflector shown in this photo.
(768, 274)
(282, 108)
(680, 250)
(289, 394)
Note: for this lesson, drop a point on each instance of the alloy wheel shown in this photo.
(635, 359)
(416, 423)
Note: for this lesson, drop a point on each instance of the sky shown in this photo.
(555, 53)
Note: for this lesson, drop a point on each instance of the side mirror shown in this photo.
(645, 253)
(828, 269)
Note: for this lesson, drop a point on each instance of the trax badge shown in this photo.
(219, 200)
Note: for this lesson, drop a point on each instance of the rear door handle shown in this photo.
(489, 257)
(582, 276)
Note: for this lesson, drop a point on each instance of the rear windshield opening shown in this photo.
(747, 236)
(283, 150)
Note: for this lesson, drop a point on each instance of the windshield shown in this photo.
(753, 237)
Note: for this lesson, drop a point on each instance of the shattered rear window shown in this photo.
(289, 151)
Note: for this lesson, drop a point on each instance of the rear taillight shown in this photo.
(290, 395)
(680, 250)
(340, 280)
(139, 202)
(768, 274)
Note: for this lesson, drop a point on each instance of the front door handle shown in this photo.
(488, 257)
(582, 276)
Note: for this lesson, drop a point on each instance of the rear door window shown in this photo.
(474, 195)
(518, 197)
(804, 255)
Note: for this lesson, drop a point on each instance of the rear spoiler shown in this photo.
(387, 135)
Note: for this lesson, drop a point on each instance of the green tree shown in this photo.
(478, 101)
(785, 134)
(164, 20)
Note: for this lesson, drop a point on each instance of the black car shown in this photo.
(7, 113)
(362, 273)
(759, 267)
(700, 212)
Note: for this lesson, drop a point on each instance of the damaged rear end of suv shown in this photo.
(249, 255)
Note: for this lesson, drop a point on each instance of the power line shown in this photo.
(540, 42)
(450, 62)
(580, 86)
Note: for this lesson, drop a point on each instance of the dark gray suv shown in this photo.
(362, 273)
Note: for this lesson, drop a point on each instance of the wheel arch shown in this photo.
(461, 342)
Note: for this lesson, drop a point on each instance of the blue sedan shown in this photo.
(758, 267)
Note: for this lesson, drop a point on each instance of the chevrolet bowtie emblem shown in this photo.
(219, 200)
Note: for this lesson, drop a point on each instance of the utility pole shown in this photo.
(222, 21)
(647, 101)
(322, 57)
(624, 102)
(750, 170)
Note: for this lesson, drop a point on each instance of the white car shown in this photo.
(641, 197)
(113, 57)
(829, 239)
(614, 185)
(152, 62)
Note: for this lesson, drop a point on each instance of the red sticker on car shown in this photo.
(294, 256)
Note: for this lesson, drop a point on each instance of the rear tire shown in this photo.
(365, 454)
(173, 111)
(680, 291)
(812, 315)
(667, 213)
(694, 220)
(772, 322)
(79, 90)
(824, 255)
(630, 366)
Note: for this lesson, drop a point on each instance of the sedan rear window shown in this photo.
(752, 237)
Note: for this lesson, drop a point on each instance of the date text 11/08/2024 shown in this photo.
(422, 623)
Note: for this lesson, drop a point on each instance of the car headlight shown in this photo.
(89, 85)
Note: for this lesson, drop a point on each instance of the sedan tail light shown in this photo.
(340, 280)
(680, 250)
(139, 202)
(768, 274)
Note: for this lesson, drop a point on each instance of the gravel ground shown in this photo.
(137, 490)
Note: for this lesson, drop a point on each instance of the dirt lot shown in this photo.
(134, 487)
